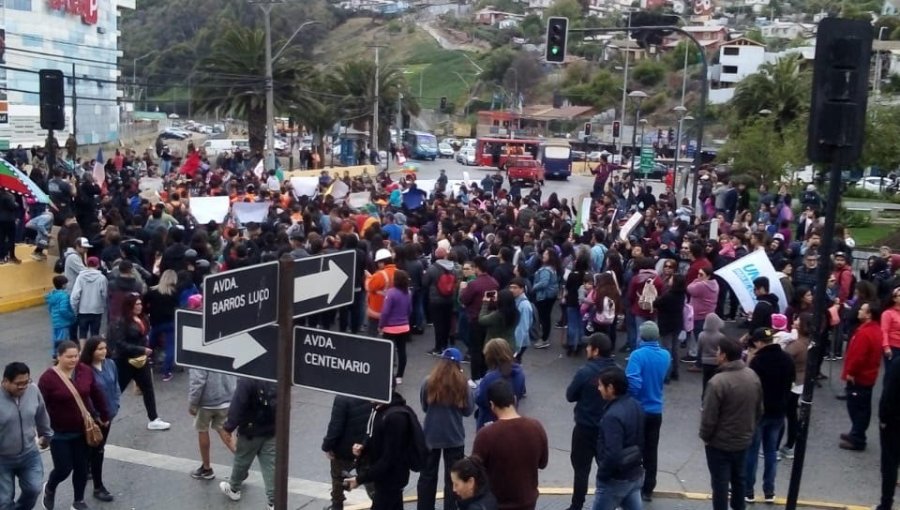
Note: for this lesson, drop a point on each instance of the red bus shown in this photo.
(486, 149)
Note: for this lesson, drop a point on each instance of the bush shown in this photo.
(853, 219)
(394, 27)
(854, 192)
(410, 29)
(649, 73)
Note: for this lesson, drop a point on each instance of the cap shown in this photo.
(382, 254)
(554, 212)
(841, 254)
(779, 236)
(440, 253)
(762, 334)
(649, 331)
(84, 243)
(453, 354)
(779, 322)
(195, 302)
(190, 253)
(93, 262)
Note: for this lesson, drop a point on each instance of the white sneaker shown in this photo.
(226, 490)
(270, 507)
(158, 424)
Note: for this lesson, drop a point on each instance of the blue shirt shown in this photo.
(647, 369)
(393, 232)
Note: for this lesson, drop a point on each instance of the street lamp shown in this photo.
(680, 112)
(636, 96)
(625, 93)
(134, 62)
(642, 122)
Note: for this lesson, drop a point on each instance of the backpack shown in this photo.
(535, 332)
(264, 405)
(59, 267)
(446, 283)
(417, 451)
(648, 295)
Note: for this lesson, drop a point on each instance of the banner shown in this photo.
(630, 225)
(150, 183)
(206, 209)
(338, 190)
(359, 200)
(246, 212)
(304, 186)
(739, 275)
(714, 229)
(584, 216)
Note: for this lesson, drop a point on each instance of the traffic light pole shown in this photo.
(704, 92)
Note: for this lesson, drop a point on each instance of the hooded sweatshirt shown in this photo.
(709, 339)
(90, 292)
(704, 295)
(430, 280)
(19, 421)
(74, 265)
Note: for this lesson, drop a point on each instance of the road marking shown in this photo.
(296, 486)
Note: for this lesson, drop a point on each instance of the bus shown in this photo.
(503, 148)
(556, 155)
(420, 145)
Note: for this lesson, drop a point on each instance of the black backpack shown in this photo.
(417, 452)
(59, 267)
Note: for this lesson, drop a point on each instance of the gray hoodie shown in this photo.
(709, 339)
(90, 292)
(20, 422)
(74, 265)
(211, 390)
(430, 281)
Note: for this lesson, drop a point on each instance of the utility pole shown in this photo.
(270, 87)
(625, 89)
(375, 108)
(74, 105)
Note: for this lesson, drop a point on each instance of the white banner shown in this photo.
(206, 209)
(246, 212)
(304, 186)
(358, 200)
(151, 183)
(714, 229)
(585, 213)
(630, 225)
(739, 275)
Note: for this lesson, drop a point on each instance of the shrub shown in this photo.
(649, 73)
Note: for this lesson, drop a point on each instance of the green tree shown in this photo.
(881, 149)
(675, 58)
(762, 154)
(601, 92)
(780, 87)
(755, 34)
(649, 73)
(233, 80)
(496, 63)
(532, 27)
(571, 9)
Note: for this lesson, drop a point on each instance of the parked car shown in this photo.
(578, 156)
(174, 134)
(596, 155)
(445, 150)
(876, 184)
(524, 170)
(466, 156)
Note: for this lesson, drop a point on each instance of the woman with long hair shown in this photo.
(574, 326)
(446, 399)
(132, 354)
(162, 300)
(106, 375)
(499, 316)
(546, 288)
(470, 484)
(501, 364)
(69, 448)
(607, 304)
(797, 347)
(393, 323)
(802, 302)
(670, 319)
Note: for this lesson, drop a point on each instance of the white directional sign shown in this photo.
(249, 354)
(324, 282)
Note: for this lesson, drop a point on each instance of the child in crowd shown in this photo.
(61, 315)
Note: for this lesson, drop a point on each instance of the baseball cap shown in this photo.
(93, 262)
(453, 354)
(84, 243)
(761, 335)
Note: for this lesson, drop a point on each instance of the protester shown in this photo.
(209, 398)
(393, 321)
(501, 364)
(860, 373)
(106, 375)
(620, 445)
(470, 485)
(347, 426)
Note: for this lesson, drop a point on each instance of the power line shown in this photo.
(80, 98)
(54, 41)
(67, 59)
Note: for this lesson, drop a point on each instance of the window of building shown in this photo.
(729, 69)
(731, 50)
(19, 5)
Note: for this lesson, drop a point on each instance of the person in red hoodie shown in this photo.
(861, 365)
(642, 314)
(698, 262)
(843, 275)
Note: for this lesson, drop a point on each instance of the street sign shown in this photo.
(648, 156)
(324, 282)
(237, 301)
(353, 365)
(250, 354)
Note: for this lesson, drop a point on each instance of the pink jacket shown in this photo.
(704, 295)
(890, 328)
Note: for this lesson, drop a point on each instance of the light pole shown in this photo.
(625, 91)
(134, 62)
(680, 116)
(878, 66)
(636, 96)
(642, 122)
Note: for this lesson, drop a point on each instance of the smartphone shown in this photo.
(491, 294)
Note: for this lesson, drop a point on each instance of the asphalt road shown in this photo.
(149, 470)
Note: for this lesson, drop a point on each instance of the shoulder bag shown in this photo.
(92, 433)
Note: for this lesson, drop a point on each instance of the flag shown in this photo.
(739, 275)
(99, 172)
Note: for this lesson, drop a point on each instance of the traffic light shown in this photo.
(443, 103)
(840, 88)
(615, 129)
(587, 129)
(557, 36)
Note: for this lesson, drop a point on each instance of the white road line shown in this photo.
(297, 486)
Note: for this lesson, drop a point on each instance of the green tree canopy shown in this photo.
(779, 87)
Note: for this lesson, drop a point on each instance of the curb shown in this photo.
(21, 303)
(695, 496)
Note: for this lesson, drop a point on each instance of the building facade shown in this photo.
(79, 38)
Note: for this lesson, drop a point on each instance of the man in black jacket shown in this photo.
(252, 414)
(766, 305)
(889, 419)
(588, 412)
(349, 420)
(620, 445)
(385, 455)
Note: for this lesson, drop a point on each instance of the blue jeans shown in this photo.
(29, 469)
(462, 327)
(167, 330)
(624, 494)
(767, 433)
(574, 327)
(726, 468)
(417, 314)
(59, 335)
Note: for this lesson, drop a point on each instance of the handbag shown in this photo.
(138, 362)
(92, 433)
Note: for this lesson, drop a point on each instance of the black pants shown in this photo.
(859, 407)
(793, 402)
(400, 341)
(584, 446)
(338, 467)
(96, 457)
(143, 377)
(652, 424)
(70, 456)
(726, 468)
(442, 318)
(708, 372)
(387, 498)
(890, 461)
(427, 486)
(545, 314)
(476, 349)
(7, 240)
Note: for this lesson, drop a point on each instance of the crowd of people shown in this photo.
(490, 269)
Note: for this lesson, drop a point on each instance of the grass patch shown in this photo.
(872, 235)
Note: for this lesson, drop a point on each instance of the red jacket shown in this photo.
(695, 267)
(863, 358)
(636, 285)
(65, 416)
(844, 278)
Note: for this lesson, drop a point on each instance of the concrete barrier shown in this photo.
(24, 285)
(353, 171)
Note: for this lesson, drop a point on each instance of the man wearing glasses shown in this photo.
(23, 416)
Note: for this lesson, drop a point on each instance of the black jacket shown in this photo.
(349, 419)
(762, 313)
(583, 391)
(775, 369)
(8, 207)
(252, 409)
(385, 452)
(622, 426)
(482, 500)
(889, 406)
(128, 340)
(670, 312)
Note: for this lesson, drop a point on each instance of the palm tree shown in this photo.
(233, 78)
(780, 87)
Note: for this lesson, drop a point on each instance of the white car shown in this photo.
(466, 156)
(445, 150)
(876, 184)
(596, 155)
